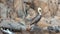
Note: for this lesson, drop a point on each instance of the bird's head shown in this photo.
(39, 10)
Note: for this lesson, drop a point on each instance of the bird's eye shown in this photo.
(40, 10)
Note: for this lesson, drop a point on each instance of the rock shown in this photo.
(50, 28)
(3, 1)
(53, 7)
(18, 7)
(45, 22)
(28, 1)
(3, 10)
(58, 12)
(58, 1)
(54, 21)
(11, 24)
(35, 28)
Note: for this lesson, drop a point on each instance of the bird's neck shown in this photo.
(39, 12)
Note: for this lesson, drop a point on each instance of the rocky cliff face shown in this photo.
(21, 11)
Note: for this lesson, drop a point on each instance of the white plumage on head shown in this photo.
(39, 10)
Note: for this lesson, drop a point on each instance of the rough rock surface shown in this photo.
(12, 24)
(12, 10)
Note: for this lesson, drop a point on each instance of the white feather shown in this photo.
(39, 10)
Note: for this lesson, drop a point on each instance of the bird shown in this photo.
(33, 25)
(7, 31)
(38, 17)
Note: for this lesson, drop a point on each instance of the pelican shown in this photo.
(38, 17)
(34, 27)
